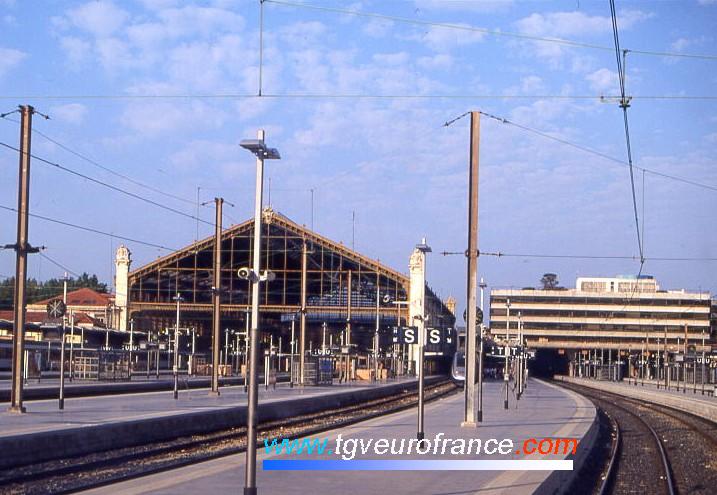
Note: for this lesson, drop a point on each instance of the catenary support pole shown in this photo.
(22, 248)
(469, 416)
(216, 295)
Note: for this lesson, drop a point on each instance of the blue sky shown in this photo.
(389, 160)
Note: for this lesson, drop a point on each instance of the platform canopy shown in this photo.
(330, 268)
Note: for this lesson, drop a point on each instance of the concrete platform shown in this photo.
(544, 411)
(701, 405)
(98, 423)
(49, 388)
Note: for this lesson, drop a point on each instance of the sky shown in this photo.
(162, 91)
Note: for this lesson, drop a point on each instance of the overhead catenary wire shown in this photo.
(91, 229)
(58, 264)
(493, 32)
(625, 104)
(499, 254)
(107, 185)
(103, 167)
(388, 96)
(586, 149)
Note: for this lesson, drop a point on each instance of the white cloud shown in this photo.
(399, 58)
(442, 39)
(76, 49)
(102, 18)
(303, 33)
(436, 62)
(531, 84)
(205, 21)
(159, 118)
(377, 28)
(576, 23)
(603, 80)
(464, 5)
(73, 113)
(9, 58)
(158, 4)
(680, 44)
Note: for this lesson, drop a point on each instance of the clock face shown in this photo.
(56, 308)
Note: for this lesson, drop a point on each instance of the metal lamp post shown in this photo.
(131, 344)
(702, 373)
(291, 358)
(506, 377)
(479, 413)
(423, 248)
(259, 149)
(375, 335)
(72, 345)
(175, 365)
(246, 350)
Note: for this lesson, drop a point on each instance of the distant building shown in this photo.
(93, 314)
(620, 313)
(88, 306)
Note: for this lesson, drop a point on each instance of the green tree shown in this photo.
(37, 291)
(549, 281)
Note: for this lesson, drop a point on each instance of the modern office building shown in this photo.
(620, 313)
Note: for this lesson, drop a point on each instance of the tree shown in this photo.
(37, 291)
(549, 281)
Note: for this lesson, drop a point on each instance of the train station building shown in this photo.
(331, 293)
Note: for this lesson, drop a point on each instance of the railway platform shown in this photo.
(49, 388)
(90, 424)
(544, 411)
(687, 400)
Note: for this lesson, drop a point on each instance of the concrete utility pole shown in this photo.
(22, 248)
(216, 295)
(469, 419)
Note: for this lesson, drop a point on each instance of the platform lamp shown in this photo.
(175, 364)
(260, 150)
(479, 413)
(423, 319)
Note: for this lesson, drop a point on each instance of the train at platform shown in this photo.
(493, 363)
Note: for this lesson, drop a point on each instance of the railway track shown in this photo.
(656, 449)
(104, 468)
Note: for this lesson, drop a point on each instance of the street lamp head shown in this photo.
(423, 247)
(258, 148)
